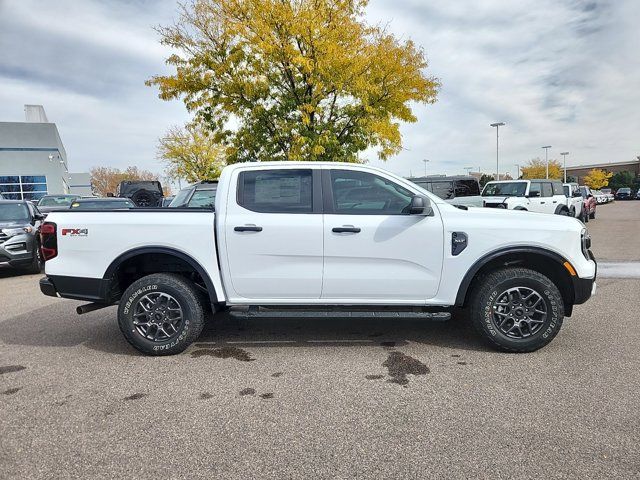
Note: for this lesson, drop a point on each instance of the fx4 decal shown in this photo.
(75, 232)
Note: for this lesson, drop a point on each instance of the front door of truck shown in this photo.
(375, 251)
(273, 230)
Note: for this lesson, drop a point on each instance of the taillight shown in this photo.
(48, 241)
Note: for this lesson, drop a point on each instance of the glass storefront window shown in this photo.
(25, 187)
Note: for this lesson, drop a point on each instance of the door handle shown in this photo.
(248, 228)
(345, 230)
(555, 201)
(542, 203)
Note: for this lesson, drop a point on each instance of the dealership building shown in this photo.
(33, 160)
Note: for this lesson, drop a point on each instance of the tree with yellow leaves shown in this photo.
(191, 153)
(597, 178)
(537, 168)
(294, 79)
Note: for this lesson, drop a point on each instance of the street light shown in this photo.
(497, 125)
(546, 156)
(468, 169)
(564, 164)
(517, 170)
(425, 166)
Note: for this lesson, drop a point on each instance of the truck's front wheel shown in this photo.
(517, 309)
(161, 314)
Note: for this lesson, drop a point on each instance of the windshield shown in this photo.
(507, 189)
(624, 190)
(14, 212)
(58, 201)
(102, 204)
(181, 197)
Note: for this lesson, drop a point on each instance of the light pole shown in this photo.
(497, 125)
(425, 166)
(517, 170)
(468, 169)
(564, 164)
(546, 157)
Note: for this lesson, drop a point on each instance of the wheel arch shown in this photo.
(560, 208)
(547, 262)
(137, 257)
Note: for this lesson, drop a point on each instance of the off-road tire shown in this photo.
(183, 292)
(487, 291)
(592, 215)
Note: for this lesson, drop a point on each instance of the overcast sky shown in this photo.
(564, 73)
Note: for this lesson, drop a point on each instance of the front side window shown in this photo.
(547, 191)
(276, 191)
(362, 193)
(557, 189)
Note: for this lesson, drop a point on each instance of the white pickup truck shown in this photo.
(324, 236)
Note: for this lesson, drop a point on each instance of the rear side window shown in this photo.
(547, 191)
(467, 188)
(276, 191)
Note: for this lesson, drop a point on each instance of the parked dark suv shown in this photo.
(457, 189)
(623, 193)
(198, 195)
(19, 227)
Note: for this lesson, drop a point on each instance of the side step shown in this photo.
(339, 312)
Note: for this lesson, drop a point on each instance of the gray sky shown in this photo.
(564, 73)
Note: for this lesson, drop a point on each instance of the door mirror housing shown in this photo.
(420, 206)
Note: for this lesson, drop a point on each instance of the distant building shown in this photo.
(80, 184)
(581, 171)
(33, 161)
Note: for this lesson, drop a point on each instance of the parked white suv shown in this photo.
(318, 235)
(542, 196)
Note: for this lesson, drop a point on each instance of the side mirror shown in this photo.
(533, 194)
(577, 193)
(39, 217)
(420, 206)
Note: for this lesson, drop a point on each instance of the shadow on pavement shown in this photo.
(60, 326)
(7, 272)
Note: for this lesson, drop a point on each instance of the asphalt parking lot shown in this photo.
(324, 398)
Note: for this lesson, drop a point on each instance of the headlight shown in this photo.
(12, 232)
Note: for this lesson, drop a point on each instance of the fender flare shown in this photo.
(111, 269)
(463, 289)
(521, 208)
(559, 209)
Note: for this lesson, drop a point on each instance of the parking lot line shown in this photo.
(619, 270)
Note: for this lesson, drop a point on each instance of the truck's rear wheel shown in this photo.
(517, 309)
(161, 314)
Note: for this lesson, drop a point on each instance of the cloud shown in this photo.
(558, 72)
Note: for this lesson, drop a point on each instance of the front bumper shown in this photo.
(583, 288)
(17, 250)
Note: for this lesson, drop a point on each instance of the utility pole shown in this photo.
(425, 166)
(564, 164)
(546, 156)
(497, 125)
